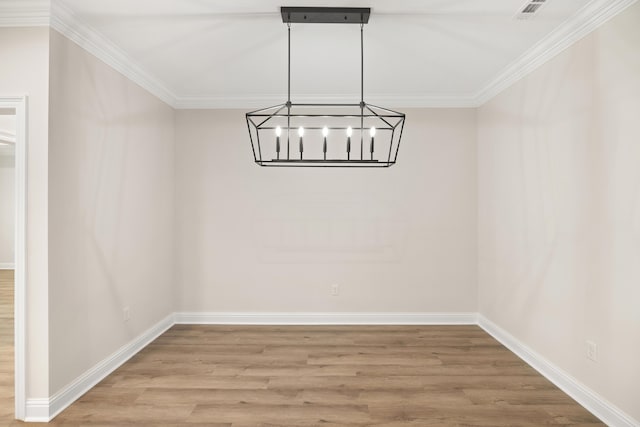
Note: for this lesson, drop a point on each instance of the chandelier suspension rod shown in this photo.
(288, 83)
(289, 62)
(361, 88)
(362, 63)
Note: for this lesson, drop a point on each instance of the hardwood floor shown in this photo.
(325, 376)
(6, 347)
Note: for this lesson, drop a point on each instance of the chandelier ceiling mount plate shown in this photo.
(325, 15)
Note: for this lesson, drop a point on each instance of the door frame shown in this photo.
(19, 103)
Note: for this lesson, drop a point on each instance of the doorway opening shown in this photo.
(7, 259)
(13, 164)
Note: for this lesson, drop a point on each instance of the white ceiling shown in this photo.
(233, 53)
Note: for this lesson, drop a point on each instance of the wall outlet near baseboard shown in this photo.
(335, 290)
(592, 351)
(126, 314)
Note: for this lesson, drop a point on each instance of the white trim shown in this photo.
(37, 410)
(590, 400)
(64, 21)
(223, 318)
(44, 410)
(20, 257)
(590, 17)
(24, 13)
(6, 136)
(19, 103)
(7, 266)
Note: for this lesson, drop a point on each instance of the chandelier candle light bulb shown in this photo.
(372, 132)
(349, 133)
(301, 134)
(278, 133)
(325, 132)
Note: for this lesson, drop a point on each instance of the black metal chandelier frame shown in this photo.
(355, 119)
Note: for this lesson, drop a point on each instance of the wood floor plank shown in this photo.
(293, 415)
(518, 397)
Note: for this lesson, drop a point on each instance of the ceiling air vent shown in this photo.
(530, 8)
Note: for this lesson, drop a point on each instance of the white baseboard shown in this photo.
(221, 318)
(44, 410)
(594, 403)
(37, 411)
(7, 266)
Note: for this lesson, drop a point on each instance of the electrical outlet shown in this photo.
(126, 314)
(592, 351)
(335, 290)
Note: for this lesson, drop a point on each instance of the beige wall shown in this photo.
(24, 71)
(559, 210)
(111, 210)
(274, 239)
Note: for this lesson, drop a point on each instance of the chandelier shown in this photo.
(358, 134)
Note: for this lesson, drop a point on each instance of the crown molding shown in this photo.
(24, 13)
(64, 21)
(590, 17)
